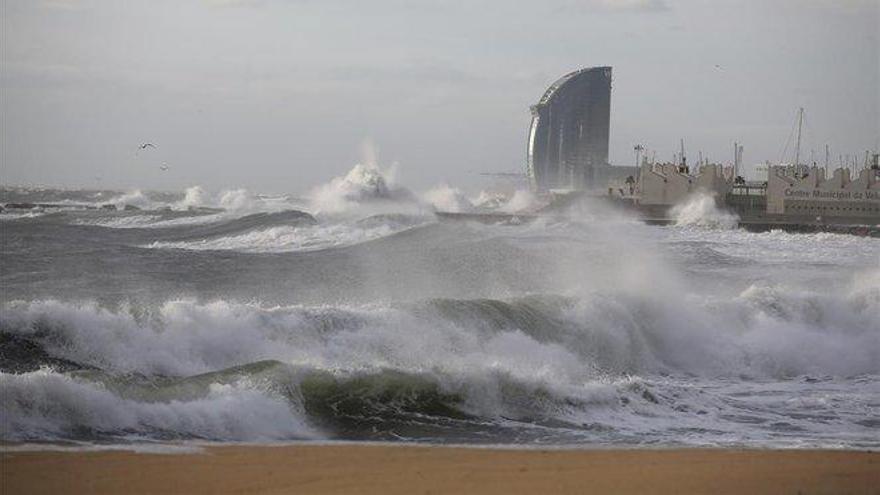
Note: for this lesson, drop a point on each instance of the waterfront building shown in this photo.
(568, 136)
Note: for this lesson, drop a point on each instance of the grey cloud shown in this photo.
(415, 73)
(291, 86)
(234, 3)
(614, 6)
(68, 4)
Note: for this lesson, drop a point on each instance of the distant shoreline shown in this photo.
(389, 468)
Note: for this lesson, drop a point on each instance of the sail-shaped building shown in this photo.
(568, 137)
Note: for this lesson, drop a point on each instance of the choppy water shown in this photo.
(361, 317)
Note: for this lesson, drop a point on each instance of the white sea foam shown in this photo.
(700, 209)
(521, 201)
(145, 447)
(286, 239)
(45, 404)
(149, 220)
(193, 197)
(364, 186)
(10, 215)
(765, 331)
(490, 200)
(446, 198)
(136, 198)
(232, 204)
(780, 247)
(499, 363)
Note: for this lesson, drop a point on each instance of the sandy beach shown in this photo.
(411, 469)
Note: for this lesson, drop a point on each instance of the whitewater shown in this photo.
(349, 312)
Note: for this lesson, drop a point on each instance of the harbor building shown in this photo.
(791, 195)
(807, 192)
(669, 183)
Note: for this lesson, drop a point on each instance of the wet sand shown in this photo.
(385, 469)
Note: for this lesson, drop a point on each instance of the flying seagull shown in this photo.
(147, 145)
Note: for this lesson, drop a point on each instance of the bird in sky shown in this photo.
(164, 167)
(147, 145)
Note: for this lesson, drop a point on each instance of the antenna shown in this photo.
(638, 149)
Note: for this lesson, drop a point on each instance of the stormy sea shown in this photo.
(351, 312)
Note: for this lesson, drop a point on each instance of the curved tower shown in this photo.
(568, 138)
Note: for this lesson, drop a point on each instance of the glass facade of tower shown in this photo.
(568, 137)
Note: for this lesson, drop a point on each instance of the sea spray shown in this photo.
(193, 197)
(448, 199)
(197, 207)
(45, 405)
(134, 198)
(286, 239)
(700, 209)
(364, 186)
(521, 201)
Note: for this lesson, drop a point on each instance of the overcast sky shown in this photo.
(277, 95)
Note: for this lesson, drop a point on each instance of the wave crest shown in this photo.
(701, 210)
(45, 405)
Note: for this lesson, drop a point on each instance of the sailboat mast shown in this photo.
(797, 153)
(827, 156)
(681, 157)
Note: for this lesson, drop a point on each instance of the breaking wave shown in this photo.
(363, 188)
(769, 331)
(139, 210)
(445, 198)
(284, 232)
(5, 216)
(44, 404)
(282, 239)
(521, 201)
(590, 363)
(150, 220)
(370, 189)
(700, 209)
(134, 198)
